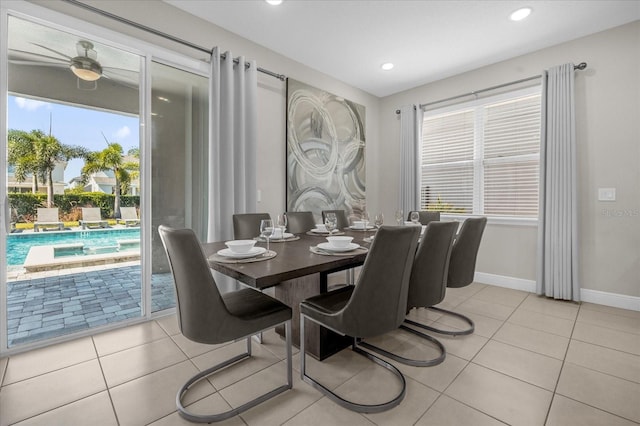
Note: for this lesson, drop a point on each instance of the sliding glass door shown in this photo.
(97, 127)
(179, 130)
(72, 151)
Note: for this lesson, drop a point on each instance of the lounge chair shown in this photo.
(128, 216)
(47, 217)
(91, 217)
(10, 223)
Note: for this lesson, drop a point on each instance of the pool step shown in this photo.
(42, 258)
(101, 249)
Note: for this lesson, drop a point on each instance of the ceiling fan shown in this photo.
(84, 66)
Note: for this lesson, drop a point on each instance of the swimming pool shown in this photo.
(18, 245)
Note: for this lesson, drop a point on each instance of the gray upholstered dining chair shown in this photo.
(206, 316)
(426, 217)
(462, 268)
(247, 225)
(300, 222)
(427, 285)
(341, 216)
(374, 306)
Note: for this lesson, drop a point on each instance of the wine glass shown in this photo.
(266, 230)
(399, 217)
(281, 223)
(365, 220)
(330, 222)
(415, 217)
(378, 220)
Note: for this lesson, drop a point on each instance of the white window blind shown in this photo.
(483, 157)
(448, 162)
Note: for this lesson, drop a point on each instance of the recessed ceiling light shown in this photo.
(387, 66)
(274, 2)
(520, 14)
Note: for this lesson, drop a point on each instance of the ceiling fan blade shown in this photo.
(39, 64)
(122, 72)
(120, 82)
(54, 51)
(36, 56)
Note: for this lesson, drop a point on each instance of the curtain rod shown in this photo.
(280, 77)
(580, 66)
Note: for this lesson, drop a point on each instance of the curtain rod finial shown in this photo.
(580, 66)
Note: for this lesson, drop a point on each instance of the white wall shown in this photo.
(608, 135)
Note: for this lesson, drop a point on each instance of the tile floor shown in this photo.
(531, 361)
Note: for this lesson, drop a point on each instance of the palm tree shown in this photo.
(133, 167)
(21, 155)
(110, 159)
(50, 152)
(39, 154)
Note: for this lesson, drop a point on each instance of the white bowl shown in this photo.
(339, 241)
(320, 227)
(276, 233)
(240, 246)
(358, 224)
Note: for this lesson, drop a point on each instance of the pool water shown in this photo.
(18, 245)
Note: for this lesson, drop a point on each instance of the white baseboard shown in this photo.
(586, 295)
(505, 281)
(610, 299)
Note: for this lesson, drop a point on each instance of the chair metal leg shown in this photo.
(209, 418)
(353, 406)
(447, 332)
(351, 276)
(408, 361)
(258, 338)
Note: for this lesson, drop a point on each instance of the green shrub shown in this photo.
(25, 204)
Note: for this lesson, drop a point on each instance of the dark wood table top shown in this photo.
(293, 260)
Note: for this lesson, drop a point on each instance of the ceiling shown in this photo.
(426, 40)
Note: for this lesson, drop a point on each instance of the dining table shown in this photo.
(296, 273)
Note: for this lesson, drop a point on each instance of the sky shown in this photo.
(74, 126)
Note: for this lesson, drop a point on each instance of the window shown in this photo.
(482, 157)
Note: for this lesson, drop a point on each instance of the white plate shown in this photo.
(316, 231)
(329, 247)
(356, 228)
(284, 236)
(255, 251)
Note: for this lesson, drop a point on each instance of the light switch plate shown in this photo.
(606, 194)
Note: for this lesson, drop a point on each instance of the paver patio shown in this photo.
(45, 305)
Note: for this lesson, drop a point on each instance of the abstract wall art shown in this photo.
(325, 151)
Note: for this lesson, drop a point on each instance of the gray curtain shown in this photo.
(410, 125)
(232, 148)
(557, 274)
(232, 143)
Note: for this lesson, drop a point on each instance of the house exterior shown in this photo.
(105, 181)
(59, 184)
